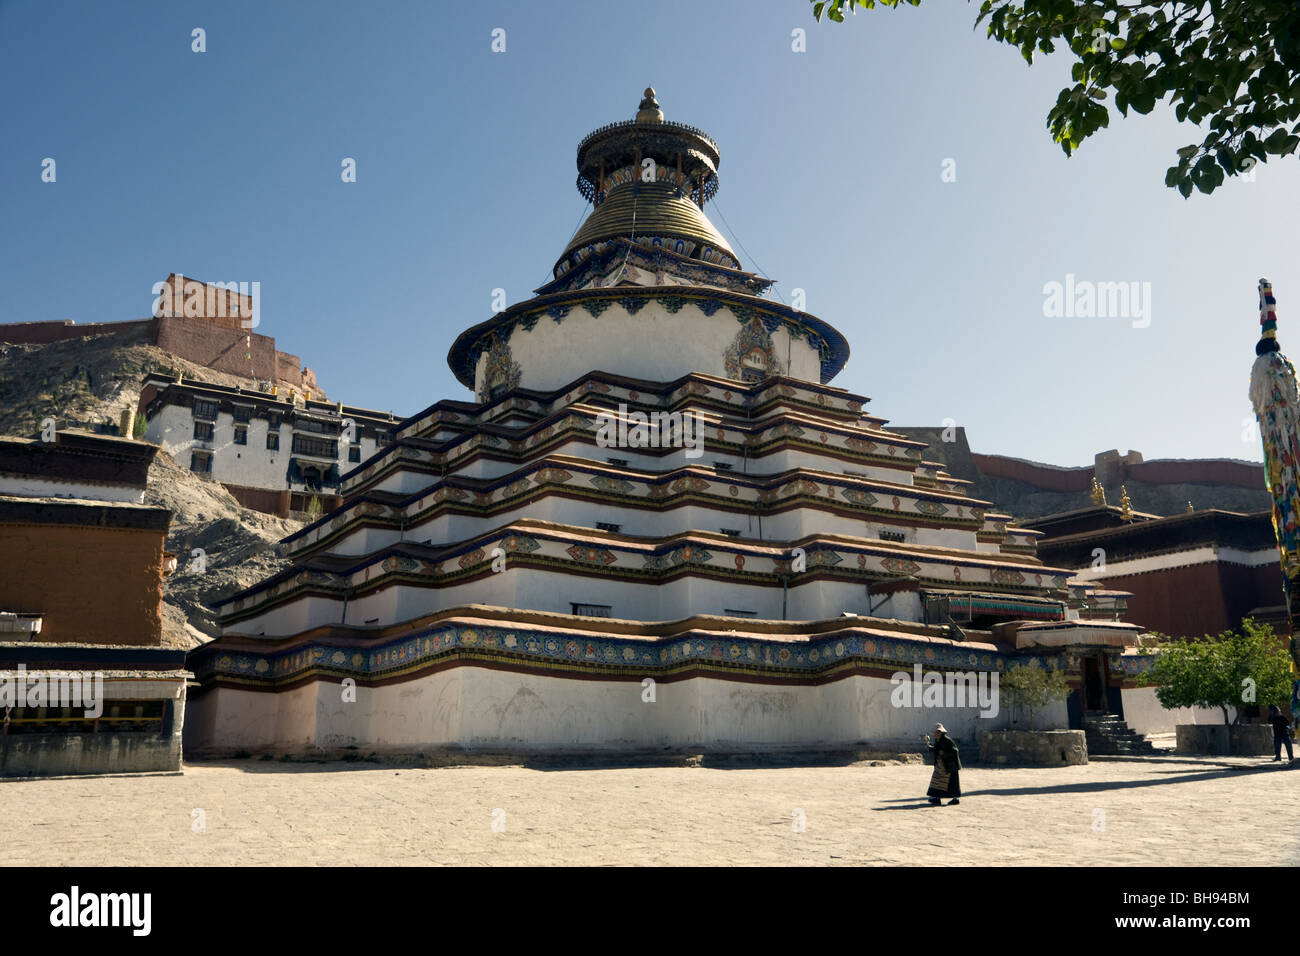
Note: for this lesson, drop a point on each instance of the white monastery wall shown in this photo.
(29, 486)
(251, 465)
(1143, 712)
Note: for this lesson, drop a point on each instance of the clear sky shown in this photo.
(225, 165)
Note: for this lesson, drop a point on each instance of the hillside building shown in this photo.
(207, 323)
(274, 450)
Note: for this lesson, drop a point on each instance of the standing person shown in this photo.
(945, 781)
(1281, 733)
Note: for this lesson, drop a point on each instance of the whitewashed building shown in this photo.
(274, 452)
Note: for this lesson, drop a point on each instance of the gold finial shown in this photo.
(1125, 504)
(1190, 509)
(1098, 493)
(649, 111)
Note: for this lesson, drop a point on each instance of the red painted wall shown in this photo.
(1199, 599)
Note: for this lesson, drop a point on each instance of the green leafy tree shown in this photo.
(1230, 671)
(1033, 688)
(1231, 67)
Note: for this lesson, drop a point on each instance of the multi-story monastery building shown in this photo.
(658, 525)
(274, 452)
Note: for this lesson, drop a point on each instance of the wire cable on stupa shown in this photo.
(772, 288)
(582, 216)
(1274, 396)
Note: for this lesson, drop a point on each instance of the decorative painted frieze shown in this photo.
(522, 647)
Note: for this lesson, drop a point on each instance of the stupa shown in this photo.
(657, 525)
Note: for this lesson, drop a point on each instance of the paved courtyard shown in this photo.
(1167, 811)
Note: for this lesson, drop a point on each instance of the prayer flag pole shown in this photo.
(1276, 402)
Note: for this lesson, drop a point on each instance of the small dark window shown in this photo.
(273, 441)
(383, 438)
(242, 413)
(723, 466)
(591, 610)
(273, 420)
(203, 431)
(201, 462)
(896, 536)
(205, 410)
(354, 452)
(617, 462)
(241, 435)
(730, 532)
(606, 526)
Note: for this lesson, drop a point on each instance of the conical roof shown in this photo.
(659, 210)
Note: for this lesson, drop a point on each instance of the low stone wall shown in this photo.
(1038, 748)
(1246, 740)
(57, 754)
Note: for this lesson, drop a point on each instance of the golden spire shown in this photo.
(1190, 509)
(1125, 504)
(1098, 493)
(649, 111)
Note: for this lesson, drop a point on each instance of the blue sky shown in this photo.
(225, 166)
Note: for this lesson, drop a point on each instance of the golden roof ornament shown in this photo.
(1098, 493)
(649, 111)
(1125, 504)
(1190, 509)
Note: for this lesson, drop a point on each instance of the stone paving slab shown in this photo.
(1170, 811)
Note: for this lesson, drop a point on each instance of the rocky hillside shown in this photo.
(240, 547)
(86, 383)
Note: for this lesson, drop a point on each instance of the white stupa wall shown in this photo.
(777, 529)
(491, 710)
(777, 461)
(653, 344)
(557, 591)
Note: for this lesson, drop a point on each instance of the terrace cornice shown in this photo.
(310, 569)
(390, 458)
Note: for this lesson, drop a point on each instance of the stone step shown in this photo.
(1109, 735)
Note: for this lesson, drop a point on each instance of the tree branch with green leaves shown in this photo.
(1230, 67)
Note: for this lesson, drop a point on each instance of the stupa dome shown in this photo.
(647, 288)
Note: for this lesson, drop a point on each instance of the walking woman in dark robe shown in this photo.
(945, 781)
